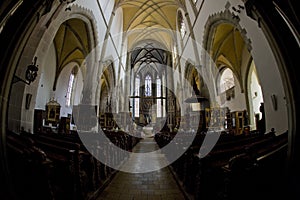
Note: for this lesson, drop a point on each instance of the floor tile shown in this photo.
(156, 185)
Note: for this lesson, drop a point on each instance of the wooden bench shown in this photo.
(29, 168)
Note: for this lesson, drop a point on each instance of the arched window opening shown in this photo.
(182, 27)
(70, 89)
(148, 88)
(174, 56)
(159, 94)
(137, 100)
(226, 80)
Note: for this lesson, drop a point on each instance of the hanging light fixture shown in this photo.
(30, 75)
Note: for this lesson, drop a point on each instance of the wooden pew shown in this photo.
(75, 173)
(29, 168)
(65, 176)
(260, 171)
(207, 173)
(92, 173)
(83, 162)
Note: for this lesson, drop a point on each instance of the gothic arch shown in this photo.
(37, 44)
(215, 20)
(219, 18)
(106, 81)
(109, 73)
(47, 28)
(191, 73)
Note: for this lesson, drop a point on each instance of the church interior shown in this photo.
(157, 99)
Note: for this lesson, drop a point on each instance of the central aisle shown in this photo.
(157, 185)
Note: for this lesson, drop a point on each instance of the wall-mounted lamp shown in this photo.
(31, 73)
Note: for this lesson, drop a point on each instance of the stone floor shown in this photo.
(155, 185)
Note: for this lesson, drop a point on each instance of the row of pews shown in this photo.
(54, 166)
(238, 167)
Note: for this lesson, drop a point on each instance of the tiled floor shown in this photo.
(156, 185)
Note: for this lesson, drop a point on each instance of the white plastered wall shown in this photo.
(38, 45)
(263, 57)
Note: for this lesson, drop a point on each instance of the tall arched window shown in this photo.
(174, 55)
(137, 100)
(158, 91)
(181, 24)
(226, 80)
(69, 95)
(148, 84)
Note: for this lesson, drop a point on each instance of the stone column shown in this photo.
(85, 114)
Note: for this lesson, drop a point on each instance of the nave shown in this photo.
(157, 185)
(50, 166)
(216, 80)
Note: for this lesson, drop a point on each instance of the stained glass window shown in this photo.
(148, 89)
(137, 100)
(158, 89)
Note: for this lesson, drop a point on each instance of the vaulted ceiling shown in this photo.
(150, 20)
(228, 47)
(72, 44)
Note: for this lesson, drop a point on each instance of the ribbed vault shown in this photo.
(155, 19)
(228, 45)
(72, 44)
